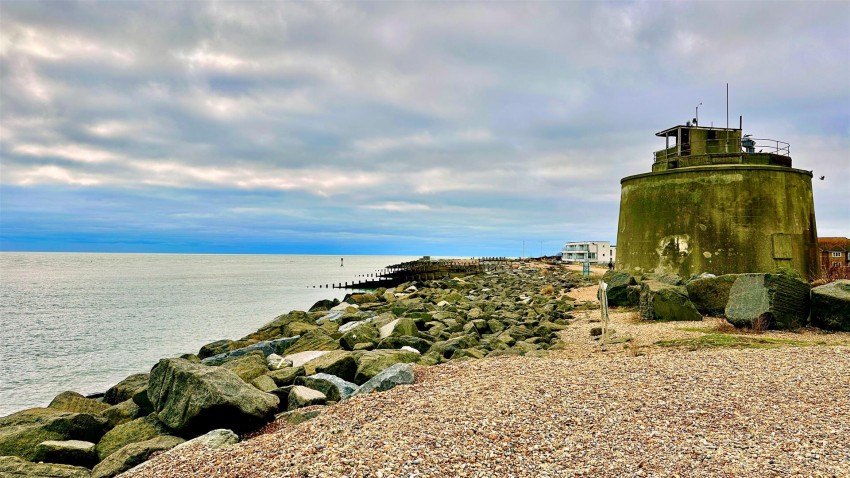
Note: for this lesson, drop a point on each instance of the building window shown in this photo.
(836, 264)
(837, 254)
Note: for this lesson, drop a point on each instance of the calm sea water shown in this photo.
(83, 322)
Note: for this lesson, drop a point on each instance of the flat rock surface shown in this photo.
(715, 412)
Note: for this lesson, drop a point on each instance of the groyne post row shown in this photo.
(421, 270)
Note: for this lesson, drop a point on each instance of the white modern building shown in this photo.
(597, 252)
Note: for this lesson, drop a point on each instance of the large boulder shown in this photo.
(300, 396)
(711, 294)
(13, 467)
(761, 301)
(192, 398)
(420, 344)
(324, 304)
(248, 367)
(316, 339)
(68, 452)
(215, 348)
(831, 306)
(374, 362)
(660, 301)
(74, 402)
(618, 283)
(121, 413)
(362, 333)
(398, 374)
(140, 429)
(399, 327)
(334, 388)
(267, 347)
(286, 376)
(212, 439)
(125, 389)
(21, 432)
(132, 455)
(338, 362)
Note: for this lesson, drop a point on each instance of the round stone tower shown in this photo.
(717, 202)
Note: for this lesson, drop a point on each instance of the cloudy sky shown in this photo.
(389, 127)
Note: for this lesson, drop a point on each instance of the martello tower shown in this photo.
(717, 202)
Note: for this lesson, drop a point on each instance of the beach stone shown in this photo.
(215, 348)
(334, 388)
(132, 455)
(325, 304)
(618, 283)
(468, 354)
(373, 362)
(267, 347)
(831, 306)
(359, 334)
(661, 301)
(399, 327)
(274, 329)
(121, 413)
(316, 339)
(778, 300)
(362, 298)
(140, 429)
(298, 328)
(13, 466)
(448, 347)
(212, 439)
(264, 383)
(275, 361)
(248, 367)
(419, 344)
(301, 358)
(711, 294)
(397, 374)
(192, 398)
(286, 376)
(338, 362)
(141, 399)
(125, 389)
(495, 326)
(299, 416)
(22, 431)
(74, 402)
(68, 452)
(300, 396)
(664, 278)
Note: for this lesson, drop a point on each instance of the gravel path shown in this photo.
(759, 413)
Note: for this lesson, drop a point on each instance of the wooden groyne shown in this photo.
(421, 270)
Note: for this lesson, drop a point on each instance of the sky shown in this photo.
(420, 128)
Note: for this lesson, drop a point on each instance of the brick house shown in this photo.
(834, 253)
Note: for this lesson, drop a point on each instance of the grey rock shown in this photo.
(398, 374)
(618, 283)
(21, 432)
(267, 347)
(768, 301)
(334, 388)
(831, 306)
(13, 466)
(140, 429)
(68, 452)
(660, 301)
(213, 439)
(125, 389)
(74, 402)
(132, 455)
(300, 397)
(192, 398)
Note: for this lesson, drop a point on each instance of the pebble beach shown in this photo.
(623, 408)
(755, 413)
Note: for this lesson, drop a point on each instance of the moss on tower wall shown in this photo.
(719, 219)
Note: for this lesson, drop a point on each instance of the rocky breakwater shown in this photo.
(289, 369)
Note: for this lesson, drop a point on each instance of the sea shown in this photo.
(85, 321)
